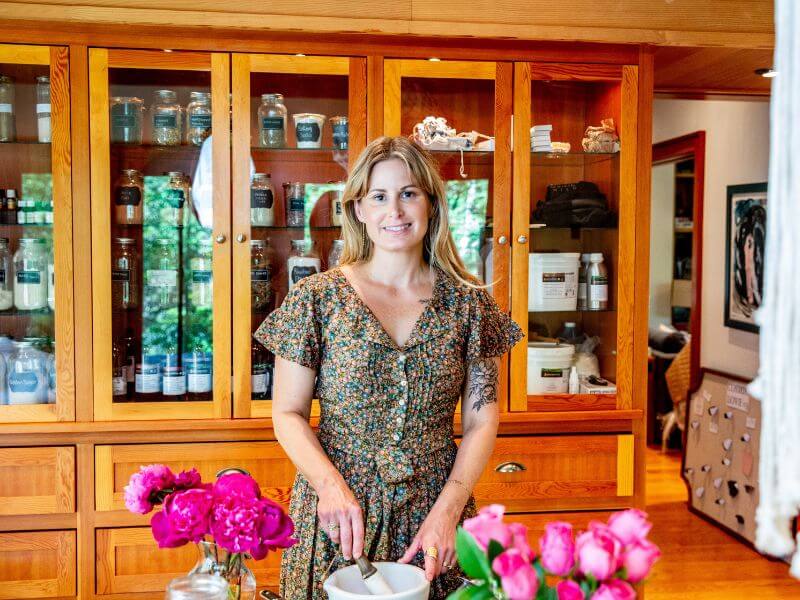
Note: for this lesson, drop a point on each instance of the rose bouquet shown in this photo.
(600, 564)
(231, 512)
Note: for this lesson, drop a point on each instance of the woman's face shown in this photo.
(395, 210)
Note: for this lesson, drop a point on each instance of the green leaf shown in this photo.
(539, 570)
(494, 549)
(471, 558)
(473, 592)
(586, 588)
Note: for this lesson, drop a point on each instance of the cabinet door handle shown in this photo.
(522, 239)
(502, 240)
(220, 239)
(241, 238)
(510, 467)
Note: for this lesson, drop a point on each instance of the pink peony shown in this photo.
(519, 540)
(629, 525)
(639, 558)
(488, 525)
(141, 493)
(598, 552)
(615, 590)
(275, 529)
(186, 480)
(236, 484)
(234, 520)
(557, 548)
(569, 590)
(517, 576)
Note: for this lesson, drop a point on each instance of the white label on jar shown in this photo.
(559, 285)
(162, 278)
(42, 108)
(174, 385)
(119, 386)
(43, 128)
(554, 380)
(198, 383)
(259, 383)
(148, 383)
(598, 292)
(25, 387)
(6, 108)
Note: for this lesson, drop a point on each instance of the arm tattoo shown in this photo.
(482, 383)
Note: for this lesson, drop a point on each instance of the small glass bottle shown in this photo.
(166, 118)
(161, 281)
(177, 194)
(259, 371)
(198, 118)
(30, 268)
(6, 276)
(119, 376)
(27, 380)
(199, 379)
(201, 292)
(130, 361)
(124, 274)
(335, 255)
(272, 121)
(303, 261)
(7, 124)
(336, 206)
(126, 119)
(12, 208)
(43, 108)
(128, 194)
(295, 201)
(261, 271)
(262, 201)
(596, 283)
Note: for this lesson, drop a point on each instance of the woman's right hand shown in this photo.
(341, 517)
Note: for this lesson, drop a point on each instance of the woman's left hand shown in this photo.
(438, 531)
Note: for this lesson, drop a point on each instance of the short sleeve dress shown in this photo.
(386, 419)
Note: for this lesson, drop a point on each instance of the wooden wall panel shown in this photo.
(37, 564)
(37, 480)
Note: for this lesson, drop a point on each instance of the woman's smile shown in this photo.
(397, 229)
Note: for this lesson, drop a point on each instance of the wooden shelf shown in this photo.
(151, 151)
(16, 313)
(571, 402)
(571, 159)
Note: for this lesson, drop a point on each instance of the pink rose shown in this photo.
(629, 525)
(519, 540)
(237, 484)
(142, 491)
(275, 529)
(188, 479)
(569, 590)
(639, 558)
(598, 552)
(557, 548)
(517, 576)
(615, 590)
(488, 525)
(234, 521)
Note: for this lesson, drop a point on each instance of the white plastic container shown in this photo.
(553, 281)
(548, 367)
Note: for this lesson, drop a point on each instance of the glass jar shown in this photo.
(51, 281)
(128, 194)
(308, 129)
(6, 277)
(161, 281)
(27, 379)
(198, 587)
(43, 108)
(119, 375)
(9, 216)
(262, 201)
(124, 274)
(198, 376)
(336, 206)
(30, 267)
(166, 118)
(7, 125)
(259, 384)
(201, 277)
(130, 361)
(173, 383)
(261, 271)
(148, 380)
(294, 196)
(272, 121)
(177, 194)
(126, 119)
(303, 261)
(198, 118)
(335, 255)
(341, 133)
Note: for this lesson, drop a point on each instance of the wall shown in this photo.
(662, 242)
(737, 151)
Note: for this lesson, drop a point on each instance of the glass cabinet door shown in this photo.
(473, 98)
(298, 123)
(160, 206)
(575, 160)
(36, 301)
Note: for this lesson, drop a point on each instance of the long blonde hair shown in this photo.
(439, 250)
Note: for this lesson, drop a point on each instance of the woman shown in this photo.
(395, 337)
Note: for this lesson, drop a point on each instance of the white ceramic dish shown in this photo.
(407, 581)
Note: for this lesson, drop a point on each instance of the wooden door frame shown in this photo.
(692, 145)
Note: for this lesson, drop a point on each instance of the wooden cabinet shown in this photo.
(38, 564)
(35, 481)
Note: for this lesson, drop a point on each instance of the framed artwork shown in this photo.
(746, 234)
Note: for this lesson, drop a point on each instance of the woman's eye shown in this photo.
(408, 194)
(378, 197)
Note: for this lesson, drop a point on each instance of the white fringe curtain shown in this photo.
(778, 381)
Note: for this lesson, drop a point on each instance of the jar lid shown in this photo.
(272, 97)
(166, 94)
(132, 172)
(126, 100)
(339, 119)
(596, 257)
(260, 175)
(174, 173)
(6, 79)
(125, 241)
(200, 95)
(258, 243)
(43, 79)
(313, 116)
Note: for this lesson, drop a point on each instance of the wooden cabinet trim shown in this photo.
(32, 464)
(299, 65)
(155, 59)
(56, 549)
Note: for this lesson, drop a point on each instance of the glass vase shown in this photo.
(215, 560)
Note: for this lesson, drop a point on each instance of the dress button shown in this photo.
(402, 358)
(404, 383)
(396, 437)
(402, 402)
(399, 420)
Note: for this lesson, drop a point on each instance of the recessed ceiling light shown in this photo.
(434, 59)
(167, 50)
(769, 73)
(299, 54)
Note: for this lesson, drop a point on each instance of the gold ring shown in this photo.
(333, 526)
(433, 552)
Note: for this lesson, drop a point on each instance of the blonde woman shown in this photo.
(395, 338)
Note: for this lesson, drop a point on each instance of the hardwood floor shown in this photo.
(699, 560)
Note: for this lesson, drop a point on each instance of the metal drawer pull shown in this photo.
(510, 467)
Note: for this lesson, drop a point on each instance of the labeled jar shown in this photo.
(261, 271)
(173, 383)
(176, 196)
(126, 119)
(128, 194)
(130, 360)
(11, 207)
(201, 291)
(308, 129)
(51, 282)
(335, 255)
(119, 374)
(30, 268)
(6, 276)
(341, 132)
(26, 374)
(583, 302)
(262, 201)
(124, 274)
(272, 121)
(43, 108)
(166, 118)
(596, 283)
(259, 378)
(336, 206)
(7, 123)
(295, 201)
(161, 281)
(303, 261)
(148, 381)
(198, 376)
(198, 118)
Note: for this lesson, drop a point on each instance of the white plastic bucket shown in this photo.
(553, 281)
(548, 367)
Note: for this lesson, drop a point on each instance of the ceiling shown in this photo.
(708, 71)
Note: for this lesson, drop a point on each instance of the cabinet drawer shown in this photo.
(535, 522)
(265, 461)
(37, 564)
(544, 473)
(35, 481)
(130, 561)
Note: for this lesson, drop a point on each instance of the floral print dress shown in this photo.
(386, 419)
